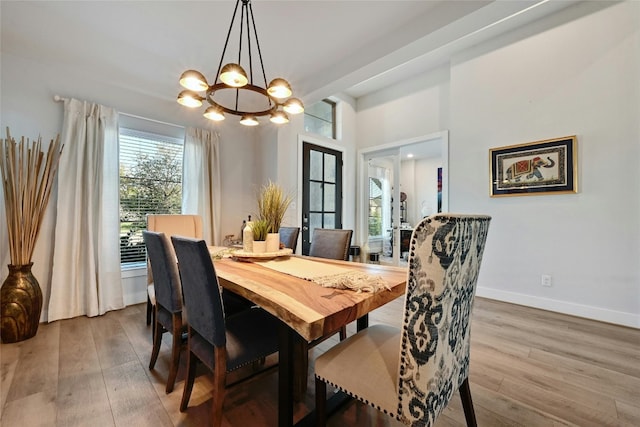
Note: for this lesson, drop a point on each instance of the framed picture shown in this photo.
(534, 168)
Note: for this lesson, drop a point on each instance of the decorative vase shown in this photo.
(273, 242)
(247, 237)
(21, 304)
(259, 246)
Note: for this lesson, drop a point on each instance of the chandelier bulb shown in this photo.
(214, 113)
(233, 75)
(189, 98)
(279, 88)
(249, 120)
(194, 80)
(293, 106)
(279, 117)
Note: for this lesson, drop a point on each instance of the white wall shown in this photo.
(419, 179)
(573, 73)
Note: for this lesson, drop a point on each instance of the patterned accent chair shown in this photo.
(411, 374)
(222, 344)
(168, 313)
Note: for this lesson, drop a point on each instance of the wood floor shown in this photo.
(528, 368)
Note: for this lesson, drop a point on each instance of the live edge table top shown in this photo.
(309, 309)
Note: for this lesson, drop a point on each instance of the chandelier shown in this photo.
(236, 93)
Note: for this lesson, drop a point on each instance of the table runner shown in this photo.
(326, 275)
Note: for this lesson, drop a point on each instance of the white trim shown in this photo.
(590, 312)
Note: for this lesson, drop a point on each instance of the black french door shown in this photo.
(321, 190)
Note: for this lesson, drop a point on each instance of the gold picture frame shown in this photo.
(535, 168)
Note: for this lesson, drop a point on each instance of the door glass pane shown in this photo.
(329, 220)
(315, 196)
(315, 221)
(330, 197)
(329, 167)
(315, 165)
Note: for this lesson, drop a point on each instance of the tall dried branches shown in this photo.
(27, 178)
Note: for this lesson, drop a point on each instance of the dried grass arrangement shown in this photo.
(27, 178)
(273, 203)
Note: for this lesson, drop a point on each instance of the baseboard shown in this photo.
(595, 313)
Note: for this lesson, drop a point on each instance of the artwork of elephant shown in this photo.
(529, 169)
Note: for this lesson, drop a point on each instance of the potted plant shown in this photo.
(260, 228)
(27, 178)
(273, 203)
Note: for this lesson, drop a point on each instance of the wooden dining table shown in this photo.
(307, 311)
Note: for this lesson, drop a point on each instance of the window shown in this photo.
(150, 182)
(320, 118)
(375, 207)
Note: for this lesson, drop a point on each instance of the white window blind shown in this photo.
(150, 183)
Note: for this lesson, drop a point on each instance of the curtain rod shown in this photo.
(58, 98)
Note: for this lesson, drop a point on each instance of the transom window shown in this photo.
(150, 183)
(320, 118)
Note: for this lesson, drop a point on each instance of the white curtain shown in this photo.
(86, 278)
(201, 180)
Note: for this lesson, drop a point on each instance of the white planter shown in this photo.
(259, 246)
(273, 242)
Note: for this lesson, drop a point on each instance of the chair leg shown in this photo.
(343, 333)
(467, 404)
(219, 384)
(157, 341)
(176, 347)
(192, 363)
(149, 310)
(153, 321)
(321, 403)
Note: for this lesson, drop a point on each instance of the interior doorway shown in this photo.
(400, 183)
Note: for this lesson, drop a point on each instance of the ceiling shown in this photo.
(322, 47)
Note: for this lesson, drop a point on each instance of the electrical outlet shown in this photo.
(546, 280)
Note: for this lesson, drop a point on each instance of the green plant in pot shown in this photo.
(27, 178)
(260, 228)
(273, 203)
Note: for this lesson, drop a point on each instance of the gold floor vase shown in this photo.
(21, 301)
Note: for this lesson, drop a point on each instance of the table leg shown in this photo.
(362, 322)
(300, 367)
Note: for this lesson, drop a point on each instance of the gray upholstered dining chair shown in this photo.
(289, 237)
(222, 344)
(168, 314)
(170, 224)
(330, 243)
(412, 373)
(183, 225)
